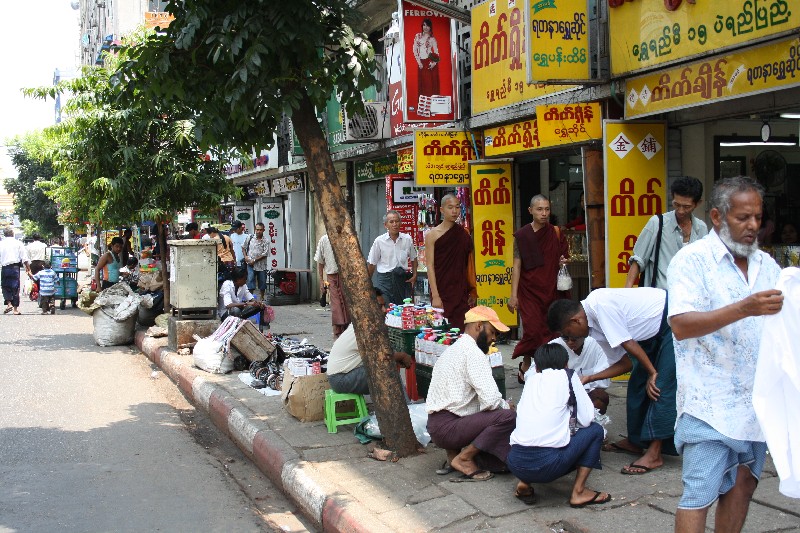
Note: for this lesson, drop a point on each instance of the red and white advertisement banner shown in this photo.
(408, 211)
(429, 74)
(396, 101)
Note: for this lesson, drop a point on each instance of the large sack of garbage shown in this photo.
(114, 315)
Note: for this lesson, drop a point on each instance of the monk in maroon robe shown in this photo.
(539, 250)
(449, 258)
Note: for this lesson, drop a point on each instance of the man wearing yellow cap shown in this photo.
(467, 415)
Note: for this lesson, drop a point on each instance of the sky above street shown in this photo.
(38, 36)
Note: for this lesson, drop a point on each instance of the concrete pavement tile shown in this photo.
(516, 523)
(612, 517)
(493, 498)
(768, 494)
(425, 494)
(425, 464)
(312, 435)
(335, 453)
(760, 518)
(432, 514)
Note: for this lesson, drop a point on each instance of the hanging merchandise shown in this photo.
(463, 195)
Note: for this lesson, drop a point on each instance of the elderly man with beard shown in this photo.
(467, 415)
(719, 289)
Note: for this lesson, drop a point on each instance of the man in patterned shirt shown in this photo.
(256, 255)
(719, 289)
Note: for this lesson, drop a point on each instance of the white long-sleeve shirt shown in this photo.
(543, 413)
(776, 389)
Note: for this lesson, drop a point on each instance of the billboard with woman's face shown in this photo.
(428, 65)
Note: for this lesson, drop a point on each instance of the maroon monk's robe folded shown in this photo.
(451, 253)
(537, 286)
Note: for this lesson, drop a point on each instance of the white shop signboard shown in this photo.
(274, 232)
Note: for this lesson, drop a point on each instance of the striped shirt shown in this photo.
(47, 281)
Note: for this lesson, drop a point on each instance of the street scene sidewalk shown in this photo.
(331, 478)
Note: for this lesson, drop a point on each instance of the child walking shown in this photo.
(47, 279)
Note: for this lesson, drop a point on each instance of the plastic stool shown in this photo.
(332, 419)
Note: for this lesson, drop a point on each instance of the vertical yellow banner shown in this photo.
(635, 182)
(493, 234)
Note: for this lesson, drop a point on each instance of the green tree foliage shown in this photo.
(242, 66)
(121, 158)
(30, 200)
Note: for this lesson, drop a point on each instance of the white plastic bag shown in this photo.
(564, 280)
(209, 355)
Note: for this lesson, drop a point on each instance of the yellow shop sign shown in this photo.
(499, 75)
(644, 33)
(557, 40)
(441, 156)
(758, 69)
(493, 234)
(569, 123)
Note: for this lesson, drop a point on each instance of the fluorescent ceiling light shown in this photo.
(754, 143)
(790, 115)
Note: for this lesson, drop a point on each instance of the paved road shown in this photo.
(95, 439)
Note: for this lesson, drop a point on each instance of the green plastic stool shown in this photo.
(332, 419)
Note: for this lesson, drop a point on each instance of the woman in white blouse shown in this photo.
(543, 447)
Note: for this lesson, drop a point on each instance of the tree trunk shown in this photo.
(368, 320)
(161, 235)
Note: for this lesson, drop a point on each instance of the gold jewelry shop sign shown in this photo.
(755, 70)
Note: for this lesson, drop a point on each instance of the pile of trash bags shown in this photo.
(114, 312)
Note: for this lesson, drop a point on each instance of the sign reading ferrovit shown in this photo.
(569, 123)
(493, 235)
(770, 66)
(648, 33)
(557, 40)
(441, 156)
(635, 182)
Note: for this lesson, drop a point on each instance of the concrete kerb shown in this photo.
(317, 498)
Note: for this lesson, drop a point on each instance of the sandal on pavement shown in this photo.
(478, 475)
(627, 470)
(616, 448)
(593, 501)
(7, 310)
(445, 469)
(528, 498)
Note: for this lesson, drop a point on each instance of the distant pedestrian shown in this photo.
(109, 265)
(390, 255)
(238, 237)
(37, 253)
(326, 266)
(12, 257)
(47, 280)
(256, 255)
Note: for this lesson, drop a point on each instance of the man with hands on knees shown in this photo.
(632, 321)
(719, 290)
(235, 298)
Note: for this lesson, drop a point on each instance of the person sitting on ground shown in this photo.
(235, 298)
(131, 277)
(546, 443)
(467, 415)
(109, 265)
(47, 280)
(346, 372)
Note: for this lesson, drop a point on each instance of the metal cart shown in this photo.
(65, 262)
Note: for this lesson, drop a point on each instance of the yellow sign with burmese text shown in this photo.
(441, 157)
(569, 123)
(493, 234)
(769, 66)
(646, 33)
(635, 183)
(558, 40)
(499, 76)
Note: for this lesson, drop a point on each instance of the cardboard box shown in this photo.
(304, 396)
